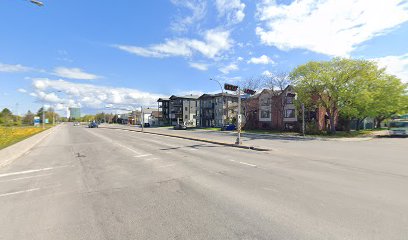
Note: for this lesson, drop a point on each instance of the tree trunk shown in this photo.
(347, 126)
(332, 126)
(332, 129)
(378, 122)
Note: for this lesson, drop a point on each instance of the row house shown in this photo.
(217, 109)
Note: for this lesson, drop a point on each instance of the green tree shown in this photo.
(390, 98)
(334, 85)
(28, 118)
(6, 116)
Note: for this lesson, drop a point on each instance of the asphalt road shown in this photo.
(84, 183)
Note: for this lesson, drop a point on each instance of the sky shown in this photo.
(126, 54)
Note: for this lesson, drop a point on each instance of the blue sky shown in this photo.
(128, 53)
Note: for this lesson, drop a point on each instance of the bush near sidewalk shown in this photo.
(11, 135)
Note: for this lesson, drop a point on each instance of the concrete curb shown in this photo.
(194, 139)
(294, 137)
(10, 153)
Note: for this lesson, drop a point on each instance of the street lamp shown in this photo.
(222, 92)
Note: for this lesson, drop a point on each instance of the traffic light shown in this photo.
(230, 87)
(249, 91)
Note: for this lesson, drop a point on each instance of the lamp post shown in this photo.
(222, 92)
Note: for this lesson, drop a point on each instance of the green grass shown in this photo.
(211, 129)
(260, 131)
(351, 134)
(12, 135)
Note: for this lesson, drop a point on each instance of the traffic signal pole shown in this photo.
(238, 141)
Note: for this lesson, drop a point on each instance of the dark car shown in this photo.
(180, 127)
(146, 125)
(93, 125)
(228, 127)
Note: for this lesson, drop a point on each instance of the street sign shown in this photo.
(249, 91)
(230, 87)
(36, 121)
(46, 121)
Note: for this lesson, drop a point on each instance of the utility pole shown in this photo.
(43, 116)
(238, 141)
(142, 118)
(303, 119)
(222, 97)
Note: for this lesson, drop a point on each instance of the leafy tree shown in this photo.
(390, 98)
(6, 116)
(28, 118)
(333, 85)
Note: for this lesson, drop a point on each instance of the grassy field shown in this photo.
(11, 135)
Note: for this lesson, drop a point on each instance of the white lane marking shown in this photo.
(193, 149)
(18, 192)
(169, 165)
(31, 171)
(16, 179)
(143, 155)
(116, 143)
(151, 159)
(248, 164)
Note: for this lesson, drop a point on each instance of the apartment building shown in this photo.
(178, 110)
(217, 109)
(163, 106)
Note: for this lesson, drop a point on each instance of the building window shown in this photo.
(290, 113)
(289, 100)
(185, 109)
(265, 114)
(186, 116)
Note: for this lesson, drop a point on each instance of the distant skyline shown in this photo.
(124, 53)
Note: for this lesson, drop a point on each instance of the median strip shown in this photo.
(193, 139)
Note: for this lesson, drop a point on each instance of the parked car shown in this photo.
(228, 127)
(93, 125)
(180, 127)
(146, 125)
(398, 128)
(76, 124)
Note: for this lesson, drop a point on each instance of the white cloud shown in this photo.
(229, 68)
(199, 66)
(215, 42)
(198, 10)
(232, 9)
(330, 27)
(88, 95)
(12, 68)
(240, 59)
(22, 90)
(396, 65)
(261, 60)
(267, 73)
(74, 73)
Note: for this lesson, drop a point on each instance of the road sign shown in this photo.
(46, 120)
(36, 121)
(230, 87)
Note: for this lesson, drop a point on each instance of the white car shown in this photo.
(398, 128)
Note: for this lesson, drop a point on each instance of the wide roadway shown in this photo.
(82, 183)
